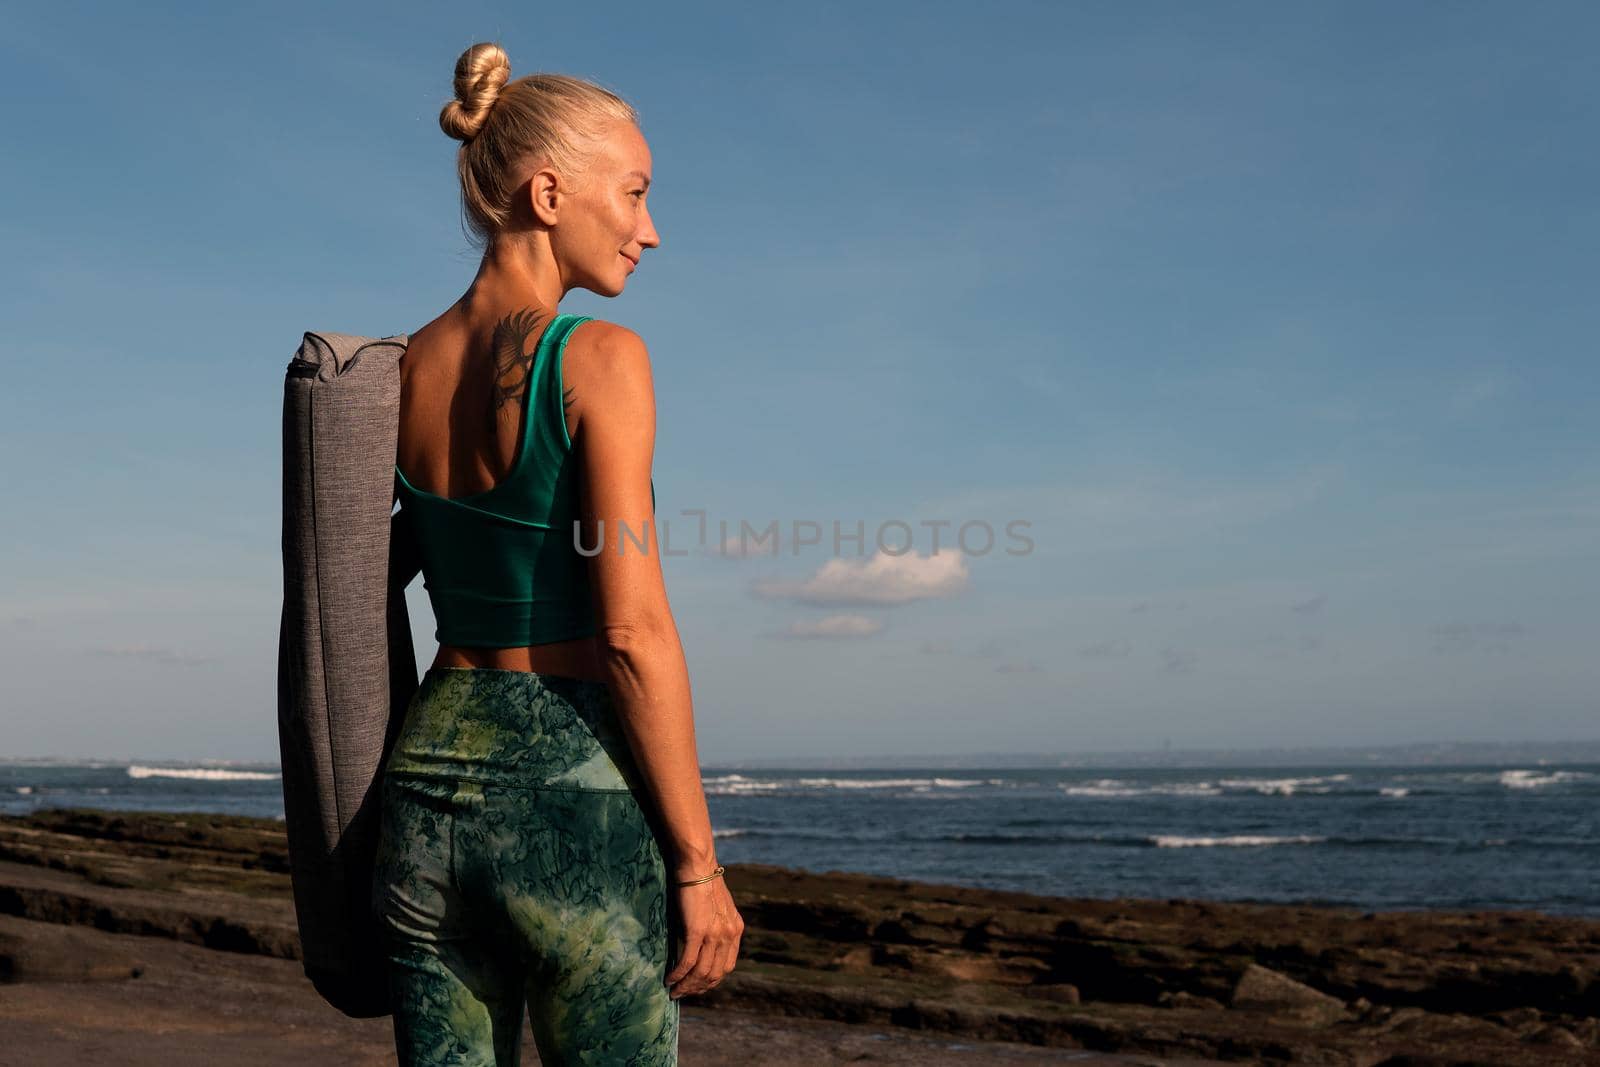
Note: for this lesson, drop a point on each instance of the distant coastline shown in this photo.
(1421, 753)
(1438, 753)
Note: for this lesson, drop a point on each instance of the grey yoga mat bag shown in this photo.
(346, 666)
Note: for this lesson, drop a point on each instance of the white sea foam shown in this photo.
(735, 832)
(1179, 841)
(209, 774)
(24, 789)
(1115, 787)
(738, 784)
(1285, 786)
(1393, 791)
(1524, 779)
(887, 783)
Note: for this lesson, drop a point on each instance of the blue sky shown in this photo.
(1276, 323)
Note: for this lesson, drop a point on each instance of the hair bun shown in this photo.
(480, 73)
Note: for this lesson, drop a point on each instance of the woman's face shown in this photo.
(605, 227)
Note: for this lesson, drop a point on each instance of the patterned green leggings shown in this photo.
(516, 866)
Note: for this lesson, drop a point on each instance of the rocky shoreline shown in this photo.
(87, 892)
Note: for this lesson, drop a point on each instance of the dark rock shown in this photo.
(1182, 999)
(1059, 992)
(1261, 988)
(1554, 1035)
(50, 952)
(1517, 1018)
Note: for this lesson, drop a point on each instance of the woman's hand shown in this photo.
(708, 936)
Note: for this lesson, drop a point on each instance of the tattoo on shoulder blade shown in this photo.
(513, 362)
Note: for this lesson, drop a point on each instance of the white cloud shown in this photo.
(879, 579)
(835, 626)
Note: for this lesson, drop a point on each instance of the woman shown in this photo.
(544, 823)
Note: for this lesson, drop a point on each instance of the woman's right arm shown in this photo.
(613, 399)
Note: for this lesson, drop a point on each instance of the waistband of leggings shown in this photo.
(531, 677)
(516, 728)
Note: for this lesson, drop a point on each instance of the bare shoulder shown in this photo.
(606, 367)
(599, 341)
(603, 355)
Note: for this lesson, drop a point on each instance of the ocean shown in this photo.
(1378, 838)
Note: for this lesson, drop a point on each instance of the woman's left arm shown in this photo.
(404, 559)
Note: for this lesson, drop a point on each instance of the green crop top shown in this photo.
(500, 566)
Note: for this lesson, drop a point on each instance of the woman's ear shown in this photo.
(544, 193)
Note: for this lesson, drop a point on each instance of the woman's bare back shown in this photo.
(456, 370)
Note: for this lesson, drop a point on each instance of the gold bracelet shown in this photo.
(714, 874)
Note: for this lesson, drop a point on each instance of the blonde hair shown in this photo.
(547, 118)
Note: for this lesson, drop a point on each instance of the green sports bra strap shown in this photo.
(544, 381)
(560, 330)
